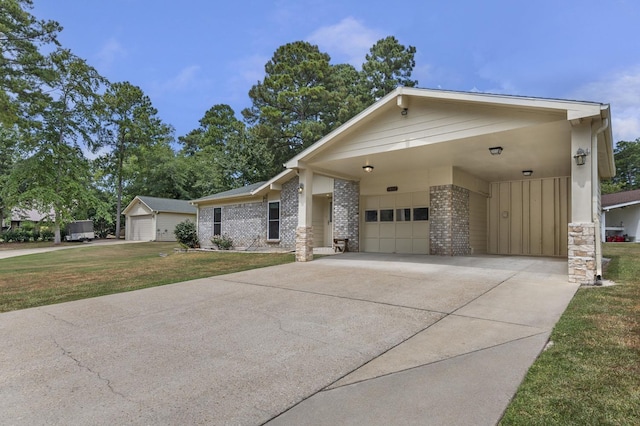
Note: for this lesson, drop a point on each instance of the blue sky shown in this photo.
(190, 55)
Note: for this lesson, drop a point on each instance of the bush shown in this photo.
(223, 242)
(186, 234)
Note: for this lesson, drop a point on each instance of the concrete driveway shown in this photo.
(349, 339)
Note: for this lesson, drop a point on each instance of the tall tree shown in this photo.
(290, 104)
(54, 174)
(388, 65)
(627, 159)
(9, 156)
(129, 122)
(23, 68)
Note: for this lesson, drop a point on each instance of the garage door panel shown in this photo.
(371, 245)
(387, 230)
(420, 245)
(387, 245)
(404, 245)
(372, 230)
(404, 230)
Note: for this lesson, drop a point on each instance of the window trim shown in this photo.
(269, 220)
(217, 223)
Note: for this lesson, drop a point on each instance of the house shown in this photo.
(621, 216)
(441, 173)
(154, 219)
(20, 216)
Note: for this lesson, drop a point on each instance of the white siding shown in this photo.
(166, 224)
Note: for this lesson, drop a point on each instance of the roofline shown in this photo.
(617, 206)
(126, 209)
(575, 110)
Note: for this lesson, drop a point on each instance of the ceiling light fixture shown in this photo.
(527, 172)
(367, 168)
(496, 150)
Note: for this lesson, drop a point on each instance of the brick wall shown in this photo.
(346, 212)
(244, 223)
(449, 221)
(289, 213)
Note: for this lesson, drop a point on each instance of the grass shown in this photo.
(591, 374)
(79, 273)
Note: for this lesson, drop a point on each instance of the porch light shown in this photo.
(404, 111)
(496, 150)
(581, 156)
(367, 168)
(300, 188)
(527, 172)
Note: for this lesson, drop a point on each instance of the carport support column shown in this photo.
(582, 232)
(304, 231)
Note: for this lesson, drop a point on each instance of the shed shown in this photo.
(155, 219)
(621, 216)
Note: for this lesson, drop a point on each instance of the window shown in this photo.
(217, 221)
(386, 215)
(273, 227)
(403, 215)
(371, 216)
(421, 213)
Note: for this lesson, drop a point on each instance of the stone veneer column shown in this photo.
(449, 221)
(304, 243)
(346, 212)
(582, 253)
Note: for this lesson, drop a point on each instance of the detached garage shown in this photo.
(154, 219)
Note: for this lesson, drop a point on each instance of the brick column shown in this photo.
(304, 243)
(449, 221)
(582, 253)
(346, 212)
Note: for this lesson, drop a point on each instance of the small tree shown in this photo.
(186, 234)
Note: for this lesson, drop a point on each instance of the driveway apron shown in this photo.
(348, 339)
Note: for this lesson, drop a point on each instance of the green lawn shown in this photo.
(591, 374)
(79, 273)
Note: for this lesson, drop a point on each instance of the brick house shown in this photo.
(437, 172)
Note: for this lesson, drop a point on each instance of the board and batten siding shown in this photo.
(529, 217)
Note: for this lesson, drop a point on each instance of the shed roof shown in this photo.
(167, 205)
(621, 198)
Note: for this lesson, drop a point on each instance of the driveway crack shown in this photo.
(79, 363)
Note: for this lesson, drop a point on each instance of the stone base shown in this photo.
(582, 253)
(304, 243)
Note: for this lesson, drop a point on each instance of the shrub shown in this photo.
(186, 234)
(223, 242)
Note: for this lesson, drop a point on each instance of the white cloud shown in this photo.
(347, 41)
(186, 78)
(111, 51)
(621, 89)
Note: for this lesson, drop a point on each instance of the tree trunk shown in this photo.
(119, 200)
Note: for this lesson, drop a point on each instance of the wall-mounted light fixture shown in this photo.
(300, 188)
(404, 111)
(581, 156)
(367, 168)
(527, 172)
(496, 150)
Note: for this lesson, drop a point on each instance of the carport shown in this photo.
(361, 338)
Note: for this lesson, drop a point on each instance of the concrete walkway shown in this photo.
(347, 339)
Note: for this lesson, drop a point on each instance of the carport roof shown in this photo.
(621, 199)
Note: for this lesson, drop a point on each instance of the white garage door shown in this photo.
(396, 223)
(141, 228)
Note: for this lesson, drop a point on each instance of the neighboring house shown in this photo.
(19, 216)
(621, 216)
(441, 173)
(155, 219)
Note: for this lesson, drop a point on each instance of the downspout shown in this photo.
(595, 209)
